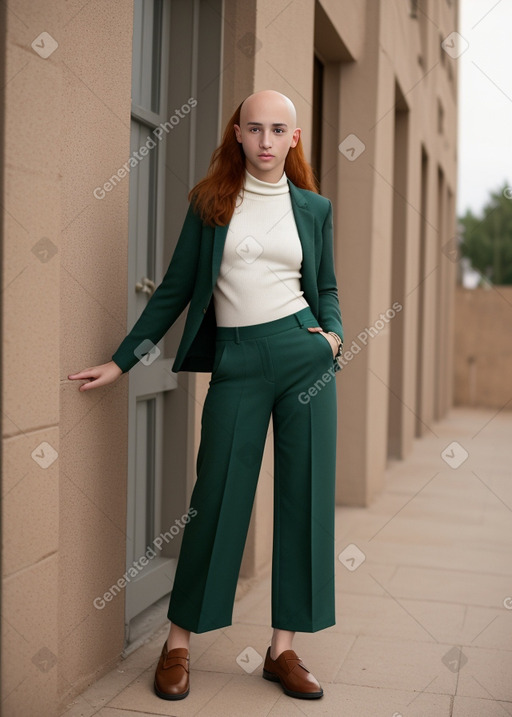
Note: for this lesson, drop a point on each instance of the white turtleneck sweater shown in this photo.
(259, 278)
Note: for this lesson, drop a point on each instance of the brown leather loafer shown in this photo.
(172, 674)
(295, 678)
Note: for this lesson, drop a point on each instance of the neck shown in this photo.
(270, 175)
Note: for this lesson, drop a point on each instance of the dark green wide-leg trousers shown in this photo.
(277, 369)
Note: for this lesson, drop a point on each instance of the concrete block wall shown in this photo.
(483, 353)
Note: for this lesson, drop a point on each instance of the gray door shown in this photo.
(151, 378)
(175, 106)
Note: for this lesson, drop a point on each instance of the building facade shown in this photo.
(110, 114)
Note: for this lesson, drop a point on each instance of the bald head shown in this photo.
(268, 102)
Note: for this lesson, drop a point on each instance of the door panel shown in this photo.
(147, 569)
(176, 57)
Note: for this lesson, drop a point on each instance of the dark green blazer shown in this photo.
(192, 274)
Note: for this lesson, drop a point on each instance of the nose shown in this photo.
(265, 139)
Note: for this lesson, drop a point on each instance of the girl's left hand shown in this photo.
(330, 339)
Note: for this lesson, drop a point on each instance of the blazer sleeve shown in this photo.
(168, 300)
(329, 308)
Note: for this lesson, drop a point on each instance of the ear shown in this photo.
(296, 137)
(238, 133)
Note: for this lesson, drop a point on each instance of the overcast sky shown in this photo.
(485, 101)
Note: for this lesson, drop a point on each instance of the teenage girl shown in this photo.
(255, 262)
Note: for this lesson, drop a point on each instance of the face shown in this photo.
(266, 132)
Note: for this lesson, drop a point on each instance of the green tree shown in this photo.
(487, 240)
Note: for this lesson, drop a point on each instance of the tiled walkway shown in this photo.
(424, 622)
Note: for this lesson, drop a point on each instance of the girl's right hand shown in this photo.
(97, 375)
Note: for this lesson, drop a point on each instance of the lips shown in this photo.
(265, 156)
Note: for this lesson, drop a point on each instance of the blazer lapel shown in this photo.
(305, 221)
(219, 239)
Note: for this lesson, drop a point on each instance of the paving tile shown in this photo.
(140, 697)
(255, 605)
(107, 687)
(494, 531)
(498, 480)
(254, 613)
(240, 695)
(446, 622)
(401, 665)
(80, 707)
(354, 701)
(456, 586)
(231, 642)
(247, 695)
(384, 550)
(382, 616)
(112, 712)
(487, 674)
(487, 627)
(440, 499)
(471, 707)
(200, 643)
(362, 581)
(361, 529)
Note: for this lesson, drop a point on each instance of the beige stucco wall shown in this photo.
(92, 527)
(483, 354)
(30, 376)
(67, 125)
